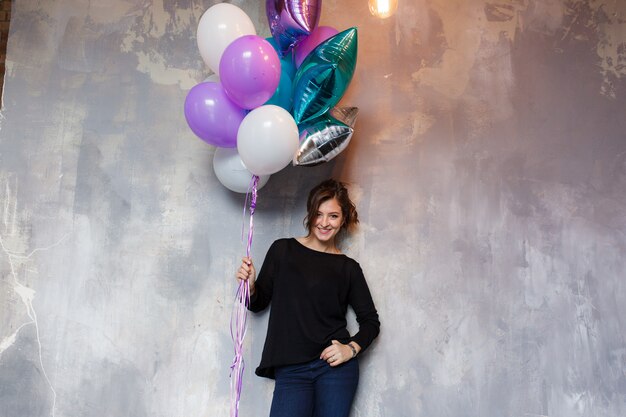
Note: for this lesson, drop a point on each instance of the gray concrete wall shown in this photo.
(489, 167)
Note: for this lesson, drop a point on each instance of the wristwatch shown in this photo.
(353, 350)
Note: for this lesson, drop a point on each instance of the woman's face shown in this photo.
(328, 221)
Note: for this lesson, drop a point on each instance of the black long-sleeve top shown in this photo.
(310, 292)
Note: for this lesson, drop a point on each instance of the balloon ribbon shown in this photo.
(239, 316)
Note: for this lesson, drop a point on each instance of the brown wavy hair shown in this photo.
(327, 190)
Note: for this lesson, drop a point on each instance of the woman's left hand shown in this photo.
(336, 354)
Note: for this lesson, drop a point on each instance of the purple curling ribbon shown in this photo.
(239, 316)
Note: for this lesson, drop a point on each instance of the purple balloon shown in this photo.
(292, 20)
(212, 116)
(306, 45)
(250, 71)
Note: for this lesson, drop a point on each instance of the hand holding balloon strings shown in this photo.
(247, 272)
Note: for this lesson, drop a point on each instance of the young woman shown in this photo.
(310, 283)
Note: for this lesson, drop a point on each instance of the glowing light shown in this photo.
(383, 8)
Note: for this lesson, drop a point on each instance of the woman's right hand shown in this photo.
(246, 272)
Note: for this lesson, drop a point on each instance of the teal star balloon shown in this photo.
(324, 76)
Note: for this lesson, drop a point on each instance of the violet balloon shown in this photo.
(212, 116)
(250, 71)
(306, 45)
(292, 20)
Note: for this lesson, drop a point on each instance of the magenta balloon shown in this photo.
(250, 71)
(306, 45)
(212, 116)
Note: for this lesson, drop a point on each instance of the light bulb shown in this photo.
(383, 8)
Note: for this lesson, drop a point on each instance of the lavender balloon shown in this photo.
(291, 20)
(250, 71)
(212, 116)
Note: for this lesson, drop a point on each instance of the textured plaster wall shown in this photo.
(489, 166)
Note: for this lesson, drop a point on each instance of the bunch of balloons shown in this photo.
(272, 101)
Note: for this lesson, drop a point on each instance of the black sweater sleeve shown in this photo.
(360, 298)
(264, 284)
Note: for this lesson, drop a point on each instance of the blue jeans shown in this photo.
(315, 389)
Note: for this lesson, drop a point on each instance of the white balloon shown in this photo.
(231, 171)
(213, 78)
(267, 139)
(218, 27)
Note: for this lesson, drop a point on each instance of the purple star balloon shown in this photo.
(292, 20)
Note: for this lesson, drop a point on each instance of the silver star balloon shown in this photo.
(326, 136)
